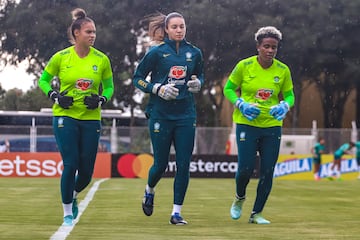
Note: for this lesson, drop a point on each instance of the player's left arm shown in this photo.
(289, 97)
(108, 88)
(108, 81)
(287, 89)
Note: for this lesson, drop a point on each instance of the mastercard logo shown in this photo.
(132, 166)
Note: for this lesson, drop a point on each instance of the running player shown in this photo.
(176, 68)
(259, 115)
(336, 167)
(156, 27)
(357, 145)
(81, 70)
(317, 151)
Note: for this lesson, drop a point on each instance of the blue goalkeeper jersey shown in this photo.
(167, 65)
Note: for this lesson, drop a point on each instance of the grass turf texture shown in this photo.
(31, 209)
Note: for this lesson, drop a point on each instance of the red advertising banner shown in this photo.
(24, 164)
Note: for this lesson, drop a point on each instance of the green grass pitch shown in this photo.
(30, 208)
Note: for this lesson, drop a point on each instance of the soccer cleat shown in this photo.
(75, 208)
(236, 208)
(176, 219)
(148, 203)
(257, 218)
(68, 221)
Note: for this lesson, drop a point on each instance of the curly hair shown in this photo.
(268, 31)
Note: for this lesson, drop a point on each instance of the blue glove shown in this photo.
(250, 111)
(279, 111)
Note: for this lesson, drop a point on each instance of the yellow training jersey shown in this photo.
(79, 77)
(262, 87)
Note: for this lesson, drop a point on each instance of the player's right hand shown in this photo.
(167, 91)
(250, 111)
(60, 98)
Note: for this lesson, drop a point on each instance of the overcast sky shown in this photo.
(13, 77)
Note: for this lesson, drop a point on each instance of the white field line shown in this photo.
(64, 231)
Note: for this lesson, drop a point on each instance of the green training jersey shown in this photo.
(357, 145)
(318, 149)
(342, 150)
(262, 87)
(79, 77)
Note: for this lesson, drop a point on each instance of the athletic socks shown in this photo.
(149, 189)
(67, 209)
(176, 209)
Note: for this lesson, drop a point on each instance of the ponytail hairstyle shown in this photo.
(155, 21)
(79, 17)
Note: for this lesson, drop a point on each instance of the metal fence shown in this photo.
(136, 139)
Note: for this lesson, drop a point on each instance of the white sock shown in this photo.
(149, 189)
(67, 209)
(240, 198)
(75, 194)
(176, 209)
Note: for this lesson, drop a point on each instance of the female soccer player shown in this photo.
(258, 115)
(176, 68)
(81, 69)
(317, 151)
(357, 155)
(336, 167)
(156, 28)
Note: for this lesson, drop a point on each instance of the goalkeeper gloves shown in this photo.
(194, 85)
(60, 98)
(167, 91)
(279, 111)
(94, 101)
(250, 111)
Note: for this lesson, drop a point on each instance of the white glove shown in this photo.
(167, 91)
(194, 85)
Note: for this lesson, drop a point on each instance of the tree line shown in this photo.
(319, 45)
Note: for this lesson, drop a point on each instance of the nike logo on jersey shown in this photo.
(166, 55)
